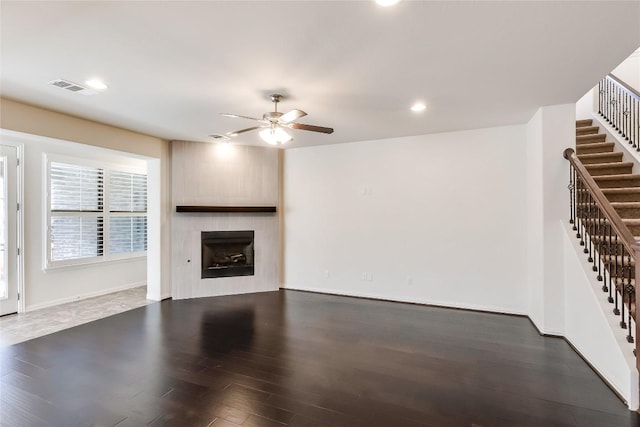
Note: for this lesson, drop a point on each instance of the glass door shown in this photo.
(8, 229)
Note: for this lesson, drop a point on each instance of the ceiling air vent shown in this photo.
(72, 87)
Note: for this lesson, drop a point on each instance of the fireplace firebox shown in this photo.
(227, 253)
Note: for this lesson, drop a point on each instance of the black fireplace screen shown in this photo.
(227, 253)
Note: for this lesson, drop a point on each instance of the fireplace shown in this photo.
(227, 253)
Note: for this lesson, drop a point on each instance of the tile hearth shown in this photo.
(16, 328)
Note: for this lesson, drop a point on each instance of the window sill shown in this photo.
(92, 262)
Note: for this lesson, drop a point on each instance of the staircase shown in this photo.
(621, 187)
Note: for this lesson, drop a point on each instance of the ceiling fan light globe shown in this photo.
(275, 136)
(386, 3)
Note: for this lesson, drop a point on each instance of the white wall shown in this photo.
(57, 285)
(550, 131)
(435, 219)
(591, 328)
(587, 105)
(223, 175)
(629, 70)
(32, 120)
(535, 220)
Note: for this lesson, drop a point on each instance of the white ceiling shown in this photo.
(172, 67)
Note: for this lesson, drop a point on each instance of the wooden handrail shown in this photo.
(625, 86)
(628, 239)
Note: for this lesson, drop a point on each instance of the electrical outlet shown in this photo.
(326, 274)
(409, 280)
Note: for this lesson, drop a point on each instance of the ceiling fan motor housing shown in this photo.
(272, 116)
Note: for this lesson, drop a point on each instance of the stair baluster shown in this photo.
(623, 286)
(603, 229)
(617, 274)
(629, 290)
(572, 196)
(619, 105)
(610, 267)
(607, 254)
(581, 195)
(590, 231)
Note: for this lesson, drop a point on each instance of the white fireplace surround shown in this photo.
(215, 175)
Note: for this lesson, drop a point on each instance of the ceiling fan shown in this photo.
(273, 124)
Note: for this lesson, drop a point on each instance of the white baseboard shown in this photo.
(446, 304)
(158, 297)
(84, 296)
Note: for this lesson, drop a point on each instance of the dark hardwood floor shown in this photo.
(302, 359)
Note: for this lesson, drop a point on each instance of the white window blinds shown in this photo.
(127, 192)
(128, 208)
(76, 188)
(127, 234)
(95, 212)
(74, 237)
(76, 227)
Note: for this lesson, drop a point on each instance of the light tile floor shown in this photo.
(21, 327)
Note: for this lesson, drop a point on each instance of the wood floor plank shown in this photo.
(302, 359)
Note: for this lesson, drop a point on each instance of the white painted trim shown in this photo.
(544, 331)
(21, 267)
(20, 218)
(536, 325)
(85, 296)
(438, 303)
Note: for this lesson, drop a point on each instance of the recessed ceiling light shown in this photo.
(386, 3)
(418, 106)
(96, 84)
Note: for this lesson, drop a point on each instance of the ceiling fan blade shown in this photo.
(236, 116)
(238, 132)
(310, 127)
(291, 116)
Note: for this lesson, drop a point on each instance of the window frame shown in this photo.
(106, 215)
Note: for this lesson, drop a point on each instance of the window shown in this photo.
(128, 212)
(77, 218)
(95, 213)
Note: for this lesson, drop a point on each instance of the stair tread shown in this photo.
(597, 144)
(621, 190)
(615, 177)
(625, 204)
(616, 257)
(598, 155)
(590, 136)
(608, 165)
(597, 238)
(587, 130)
(584, 122)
